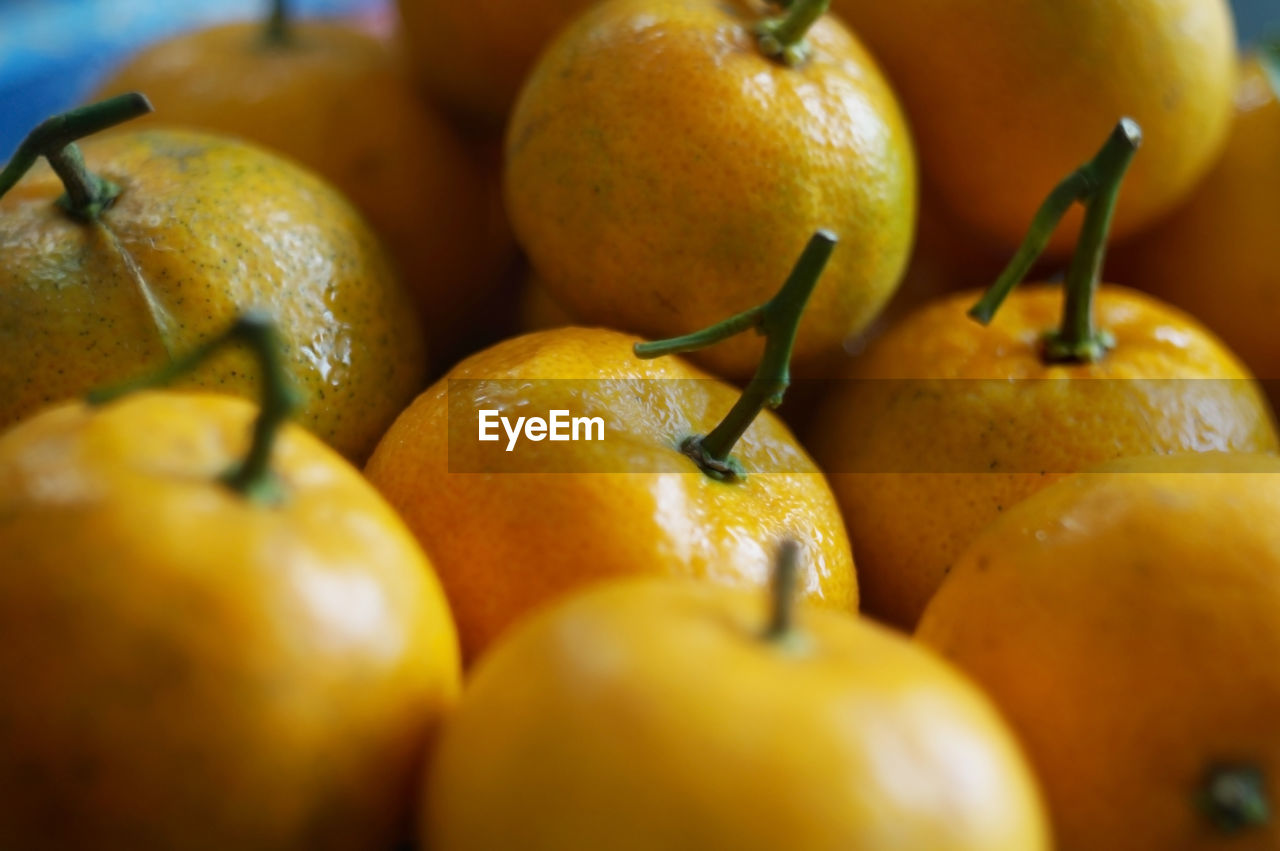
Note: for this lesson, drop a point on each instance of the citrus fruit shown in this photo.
(942, 424)
(667, 714)
(661, 170)
(207, 641)
(1003, 96)
(337, 100)
(189, 230)
(1127, 622)
(684, 477)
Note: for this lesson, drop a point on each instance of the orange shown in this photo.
(658, 714)
(202, 228)
(1225, 234)
(1127, 623)
(661, 171)
(474, 56)
(337, 100)
(510, 530)
(184, 668)
(1003, 95)
(942, 424)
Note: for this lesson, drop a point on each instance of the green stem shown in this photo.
(277, 29)
(779, 320)
(1269, 55)
(251, 477)
(1097, 185)
(786, 577)
(1234, 797)
(87, 194)
(783, 37)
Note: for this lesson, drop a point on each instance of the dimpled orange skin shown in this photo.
(944, 424)
(336, 100)
(1127, 625)
(663, 174)
(181, 668)
(474, 56)
(510, 530)
(204, 228)
(1007, 96)
(651, 714)
(1225, 234)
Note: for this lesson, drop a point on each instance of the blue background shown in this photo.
(52, 52)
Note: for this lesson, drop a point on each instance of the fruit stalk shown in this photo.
(251, 477)
(277, 29)
(783, 37)
(786, 576)
(87, 195)
(1235, 798)
(1097, 185)
(1269, 55)
(779, 320)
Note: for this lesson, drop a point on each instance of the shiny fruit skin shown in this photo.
(204, 228)
(181, 668)
(662, 174)
(944, 424)
(1007, 96)
(475, 56)
(651, 714)
(1127, 624)
(1225, 234)
(554, 517)
(337, 100)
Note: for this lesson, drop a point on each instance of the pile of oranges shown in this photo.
(1001, 571)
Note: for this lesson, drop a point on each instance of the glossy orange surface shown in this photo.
(654, 714)
(1127, 624)
(181, 668)
(510, 530)
(945, 424)
(337, 100)
(1006, 96)
(1218, 256)
(663, 174)
(475, 56)
(203, 229)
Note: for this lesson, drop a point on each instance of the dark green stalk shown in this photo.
(1234, 797)
(54, 139)
(1269, 55)
(251, 477)
(1097, 185)
(277, 30)
(786, 578)
(779, 320)
(783, 37)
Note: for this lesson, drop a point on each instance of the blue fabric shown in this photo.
(53, 52)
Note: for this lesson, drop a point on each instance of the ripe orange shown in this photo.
(661, 171)
(183, 667)
(648, 714)
(684, 477)
(1003, 96)
(338, 101)
(508, 531)
(942, 424)
(202, 228)
(1127, 623)
(1225, 233)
